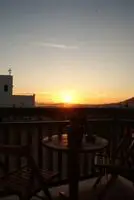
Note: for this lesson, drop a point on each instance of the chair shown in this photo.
(28, 180)
(109, 160)
(121, 163)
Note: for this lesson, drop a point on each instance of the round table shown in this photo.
(60, 143)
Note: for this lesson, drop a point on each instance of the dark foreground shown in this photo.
(121, 189)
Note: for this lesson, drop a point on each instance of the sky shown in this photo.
(82, 48)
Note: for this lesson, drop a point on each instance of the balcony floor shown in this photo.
(121, 189)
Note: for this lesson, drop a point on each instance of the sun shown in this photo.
(67, 98)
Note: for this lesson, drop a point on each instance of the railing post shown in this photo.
(40, 151)
(74, 142)
(6, 141)
(50, 152)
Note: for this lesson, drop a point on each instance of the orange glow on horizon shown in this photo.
(70, 97)
(66, 97)
(68, 100)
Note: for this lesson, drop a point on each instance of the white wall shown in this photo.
(23, 101)
(18, 101)
(9, 100)
(6, 80)
(5, 96)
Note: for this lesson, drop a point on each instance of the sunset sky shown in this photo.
(63, 49)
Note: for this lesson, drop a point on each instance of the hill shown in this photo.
(125, 103)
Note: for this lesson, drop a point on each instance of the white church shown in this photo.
(7, 99)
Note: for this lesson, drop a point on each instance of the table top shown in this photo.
(62, 144)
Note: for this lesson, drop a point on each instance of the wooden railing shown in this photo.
(21, 132)
(64, 113)
(108, 125)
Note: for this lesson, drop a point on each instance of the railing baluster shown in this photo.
(60, 167)
(85, 164)
(92, 163)
(6, 141)
(49, 151)
(17, 141)
(29, 135)
(40, 150)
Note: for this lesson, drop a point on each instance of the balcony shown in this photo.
(18, 125)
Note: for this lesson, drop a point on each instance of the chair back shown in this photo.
(122, 148)
(21, 151)
(129, 157)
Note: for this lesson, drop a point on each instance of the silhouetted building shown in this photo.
(7, 99)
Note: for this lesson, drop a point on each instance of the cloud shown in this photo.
(55, 45)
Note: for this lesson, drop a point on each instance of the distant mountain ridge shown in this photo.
(125, 103)
(128, 102)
